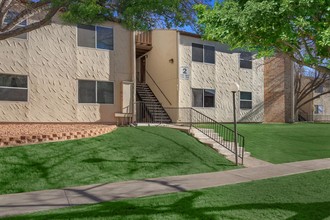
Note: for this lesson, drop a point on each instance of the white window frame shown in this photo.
(95, 43)
(239, 61)
(19, 25)
(22, 88)
(209, 45)
(316, 110)
(96, 103)
(245, 100)
(192, 101)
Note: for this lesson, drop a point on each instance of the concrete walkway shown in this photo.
(14, 204)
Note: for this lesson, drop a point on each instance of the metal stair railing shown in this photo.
(210, 128)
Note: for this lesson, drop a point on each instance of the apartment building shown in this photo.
(67, 73)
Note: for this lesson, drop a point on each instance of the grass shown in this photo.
(127, 153)
(304, 197)
(281, 143)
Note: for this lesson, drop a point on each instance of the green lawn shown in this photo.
(281, 143)
(304, 197)
(127, 153)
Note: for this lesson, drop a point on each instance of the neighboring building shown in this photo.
(184, 71)
(63, 73)
(319, 108)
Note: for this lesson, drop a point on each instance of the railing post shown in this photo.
(235, 127)
(190, 118)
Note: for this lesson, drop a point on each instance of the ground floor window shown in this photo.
(246, 100)
(13, 87)
(318, 109)
(203, 97)
(90, 91)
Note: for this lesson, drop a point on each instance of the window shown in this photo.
(95, 37)
(203, 53)
(10, 16)
(245, 60)
(318, 109)
(13, 88)
(319, 89)
(246, 100)
(203, 97)
(95, 92)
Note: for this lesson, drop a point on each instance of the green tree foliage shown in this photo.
(134, 14)
(298, 28)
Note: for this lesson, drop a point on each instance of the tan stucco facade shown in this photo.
(220, 76)
(54, 63)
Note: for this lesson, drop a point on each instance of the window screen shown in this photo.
(197, 52)
(203, 97)
(13, 87)
(197, 97)
(209, 54)
(104, 38)
(86, 36)
(246, 60)
(9, 17)
(245, 100)
(105, 92)
(209, 98)
(86, 91)
(318, 109)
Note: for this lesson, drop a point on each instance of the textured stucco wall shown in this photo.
(164, 72)
(53, 63)
(219, 76)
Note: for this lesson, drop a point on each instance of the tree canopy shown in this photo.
(134, 14)
(298, 28)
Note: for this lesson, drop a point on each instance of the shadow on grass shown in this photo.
(100, 160)
(184, 208)
(229, 164)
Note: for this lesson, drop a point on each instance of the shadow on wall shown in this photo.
(254, 115)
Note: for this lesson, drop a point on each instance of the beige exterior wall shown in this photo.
(53, 63)
(219, 76)
(161, 68)
(324, 100)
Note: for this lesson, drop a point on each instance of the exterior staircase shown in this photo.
(150, 108)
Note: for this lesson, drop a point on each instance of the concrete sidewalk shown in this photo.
(14, 204)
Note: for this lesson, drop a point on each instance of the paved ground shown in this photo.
(20, 203)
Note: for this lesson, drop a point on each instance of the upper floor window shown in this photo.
(95, 92)
(318, 109)
(13, 87)
(246, 100)
(203, 97)
(9, 17)
(95, 37)
(245, 60)
(203, 53)
(319, 89)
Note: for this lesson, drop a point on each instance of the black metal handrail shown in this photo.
(159, 88)
(188, 116)
(225, 137)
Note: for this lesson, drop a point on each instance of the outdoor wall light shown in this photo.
(171, 60)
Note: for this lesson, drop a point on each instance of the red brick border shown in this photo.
(62, 136)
